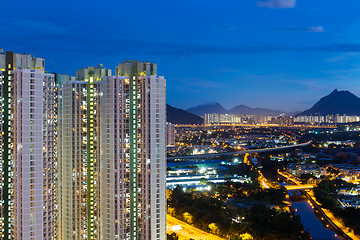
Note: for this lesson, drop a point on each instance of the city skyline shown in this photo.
(256, 53)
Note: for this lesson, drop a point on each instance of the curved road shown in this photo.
(241, 152)
(188, 231)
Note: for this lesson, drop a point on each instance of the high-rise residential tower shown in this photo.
(78, 155)
(27, 148)
(139, 154)
(112, 154)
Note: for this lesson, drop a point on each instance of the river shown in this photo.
(311, 222)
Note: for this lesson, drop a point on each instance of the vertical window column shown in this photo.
(7, 151)
(133, 156)
(90, 158)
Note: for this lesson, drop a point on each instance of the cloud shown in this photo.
(343, 47)
(300, 29)
(344, 57)
(277, 3)
(189, 50)
(200, 83)
(33, 27)
(313, 84)
(41, 26)
(316, 29)
(49, 36)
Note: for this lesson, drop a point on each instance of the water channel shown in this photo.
(310, 220)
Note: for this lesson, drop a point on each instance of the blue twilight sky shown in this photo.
(280, 54)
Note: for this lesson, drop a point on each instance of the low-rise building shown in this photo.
(311, 168)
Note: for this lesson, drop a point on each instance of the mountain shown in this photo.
(243, 109)
(337, 102)
(208, 108)
(293, 113)
(179, 116)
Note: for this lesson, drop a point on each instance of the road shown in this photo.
(263, 180)
(188, 231)
(298, 186)
(289, 177)
(241, 152)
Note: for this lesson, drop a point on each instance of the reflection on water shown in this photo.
(311, 223)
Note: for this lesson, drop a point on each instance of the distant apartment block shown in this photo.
(170, 135)
(215, 118)
(282, 120)
(326, 119)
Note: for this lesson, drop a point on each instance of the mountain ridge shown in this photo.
(180, 116)
(216, 107)
(337, 102)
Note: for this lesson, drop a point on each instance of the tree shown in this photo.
(172, 236)
(305, 177)
(203, 181)
(188, 218)
(214, 228)
(246, 236)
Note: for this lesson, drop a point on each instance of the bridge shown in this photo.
(298, 185)
(199, 156)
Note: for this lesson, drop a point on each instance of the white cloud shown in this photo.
(315, 29)
(18, 25)
(300, 29)
(277, 3)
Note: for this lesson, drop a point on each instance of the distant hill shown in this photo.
(293, 113)
(179, 116)
(208, 108)
(337, 102)
(243, 109)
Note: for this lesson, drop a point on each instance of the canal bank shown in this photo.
(318, 226)
(345, 232)
(319, 229)
(320, 223)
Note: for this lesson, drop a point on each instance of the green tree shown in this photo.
(305, 177)
(172, 236)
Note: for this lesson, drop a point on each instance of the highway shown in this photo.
(199, 156)
(187, 231)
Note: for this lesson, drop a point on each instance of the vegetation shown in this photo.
(270, 168)
(217, 212)
(325, 194)
(305, 177)
(271, 196)
(172, 236)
